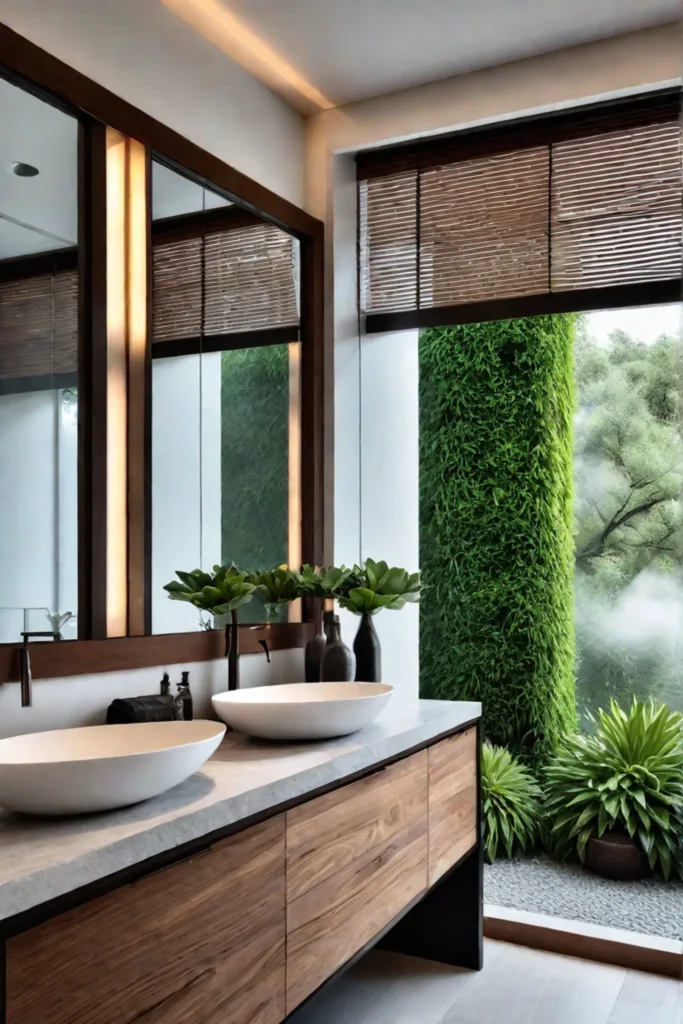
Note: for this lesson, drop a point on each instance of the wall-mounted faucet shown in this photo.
(232, 649)
(25, 677)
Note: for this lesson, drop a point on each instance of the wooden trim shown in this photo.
(316, 442)
(25, 59)
(650, 293)
(92, 376)
(629, 950)
(224, 342)
(16, 268)
(82, 657)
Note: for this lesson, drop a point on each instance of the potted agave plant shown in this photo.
(365, 591)
(615, 797)
(220, 594)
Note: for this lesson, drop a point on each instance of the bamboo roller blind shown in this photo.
(39, 326)
(224, 282)
(562, 207)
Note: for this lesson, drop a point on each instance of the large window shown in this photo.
(628, 463)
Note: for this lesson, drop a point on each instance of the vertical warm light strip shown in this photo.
(136, 307)
(294, 474)
(117, 442)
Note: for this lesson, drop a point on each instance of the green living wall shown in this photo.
(254, 456)
(496, 547)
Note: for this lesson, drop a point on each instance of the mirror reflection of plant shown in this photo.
(220, 592)
(627, 777)
(510, 804)
(276, 587)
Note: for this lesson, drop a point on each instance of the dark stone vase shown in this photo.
(368, 652)
(313, 657)
(339, 661)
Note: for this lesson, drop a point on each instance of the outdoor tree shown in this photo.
(628, 462)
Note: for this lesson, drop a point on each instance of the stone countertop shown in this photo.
(44, 858)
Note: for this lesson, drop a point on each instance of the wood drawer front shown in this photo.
(452, 801)
(202, 941)
(355, 858)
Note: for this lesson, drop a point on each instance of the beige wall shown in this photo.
(625, 63)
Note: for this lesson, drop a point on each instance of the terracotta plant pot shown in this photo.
(617, 856)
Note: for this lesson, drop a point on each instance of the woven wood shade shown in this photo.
(224, 282)
(39, 326)
(550, 210)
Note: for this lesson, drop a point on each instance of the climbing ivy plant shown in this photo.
(496, 622)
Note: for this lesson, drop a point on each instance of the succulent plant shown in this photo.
(220, 592)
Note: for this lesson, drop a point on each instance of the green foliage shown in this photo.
(254, 455)
(276, 587)
(627, 776)
(496, 549)
(375, 586)
(219, 592)
(511, 804)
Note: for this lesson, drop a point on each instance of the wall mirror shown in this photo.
(38, 368)
(226, 385)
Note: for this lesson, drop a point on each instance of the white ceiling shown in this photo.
(41, 213)
(353, 49)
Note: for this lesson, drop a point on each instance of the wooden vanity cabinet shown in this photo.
(244, 932)
(355, 858)
(200, 942)
(452, 801)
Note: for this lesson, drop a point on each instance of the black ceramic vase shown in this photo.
(313, 656)
(339, 662)
(368, 652)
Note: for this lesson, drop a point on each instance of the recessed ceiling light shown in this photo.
(23, 170)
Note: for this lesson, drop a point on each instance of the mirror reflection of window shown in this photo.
(38, 367)
(225, 392)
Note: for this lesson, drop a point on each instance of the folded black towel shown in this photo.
(155, 708)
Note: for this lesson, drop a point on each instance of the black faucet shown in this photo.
(232, 649)
(25, 677)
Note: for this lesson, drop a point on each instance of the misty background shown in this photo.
(628, 509)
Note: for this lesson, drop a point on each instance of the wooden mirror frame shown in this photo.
(99, 110)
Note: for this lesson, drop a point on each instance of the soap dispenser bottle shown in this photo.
(185, 696)
(339, 661)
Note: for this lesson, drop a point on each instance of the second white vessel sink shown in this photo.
(302, 711)
(100, 767)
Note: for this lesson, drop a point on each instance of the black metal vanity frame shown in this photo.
(96, 108)
(424, 928)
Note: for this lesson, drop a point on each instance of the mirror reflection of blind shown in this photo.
(224, 282)
(39, 327)
(542, 209)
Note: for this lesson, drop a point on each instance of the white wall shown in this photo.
(153, 59)
(83, 700)
(363, 451)
(186, 479)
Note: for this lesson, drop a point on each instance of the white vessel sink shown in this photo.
(73, 771)
(302, 711)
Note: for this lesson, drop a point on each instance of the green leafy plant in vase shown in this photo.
(365, 591)
(511, 802)
(220, 594)
(615, 797)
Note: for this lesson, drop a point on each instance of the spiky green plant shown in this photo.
(511, 802)
(367, 589)
(276, 587)
(627, 776)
